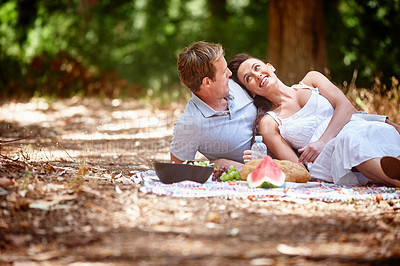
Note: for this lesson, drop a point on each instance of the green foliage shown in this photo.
(131, 46)
(364, 36)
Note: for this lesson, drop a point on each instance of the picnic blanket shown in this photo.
(312, 190)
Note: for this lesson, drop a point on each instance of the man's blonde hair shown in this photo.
(196, 62)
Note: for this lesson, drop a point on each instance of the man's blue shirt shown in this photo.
(215, 134)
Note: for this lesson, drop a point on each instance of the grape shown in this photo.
(218, 171)
(223, 173)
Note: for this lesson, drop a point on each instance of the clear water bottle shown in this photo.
(258, 149)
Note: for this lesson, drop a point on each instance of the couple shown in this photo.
(313, 117)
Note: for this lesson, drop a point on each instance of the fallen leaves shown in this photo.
(98, 208)
(53, 204)
(79, 201)
(213, 217)
(293, 251)
(5, 182)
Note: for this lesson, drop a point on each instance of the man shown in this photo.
(218, 119)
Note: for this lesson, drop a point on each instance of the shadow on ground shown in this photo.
(67, 197)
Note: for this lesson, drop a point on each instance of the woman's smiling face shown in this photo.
(256, 76)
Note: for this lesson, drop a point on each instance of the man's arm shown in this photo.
(396, 126)
(174, 159)
(378, 118)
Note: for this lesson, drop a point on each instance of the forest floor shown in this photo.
(67, 198)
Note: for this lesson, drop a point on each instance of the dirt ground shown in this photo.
(67, 199)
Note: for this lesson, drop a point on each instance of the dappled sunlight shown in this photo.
(91, 130)
(71, 188)
(38, 111)
(90, 93)
(106, 136)
(24, 114)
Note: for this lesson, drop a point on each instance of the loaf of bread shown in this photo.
(293, 171)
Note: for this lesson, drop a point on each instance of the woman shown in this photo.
(316, 118)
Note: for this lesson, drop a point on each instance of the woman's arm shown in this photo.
(276, 144)
(342, 114)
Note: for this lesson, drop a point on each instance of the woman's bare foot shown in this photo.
(391, 166)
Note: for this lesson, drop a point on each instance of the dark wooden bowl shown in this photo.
(169, 173)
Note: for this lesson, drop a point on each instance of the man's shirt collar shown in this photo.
(206, 110)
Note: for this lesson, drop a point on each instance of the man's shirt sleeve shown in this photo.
(184, 143)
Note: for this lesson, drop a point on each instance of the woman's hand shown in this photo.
(343, 110)
(247, 156)
(310, 152)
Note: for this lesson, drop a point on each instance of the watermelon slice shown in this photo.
(267, 175)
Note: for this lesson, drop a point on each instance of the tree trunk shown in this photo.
(219, 15)
(218, 10)
(296, 38)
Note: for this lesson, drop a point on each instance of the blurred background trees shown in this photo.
(296, 38)
(129, 47)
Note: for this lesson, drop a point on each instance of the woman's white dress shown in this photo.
(357, 142)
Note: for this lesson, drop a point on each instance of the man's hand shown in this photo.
(310, 152)
(227, 163)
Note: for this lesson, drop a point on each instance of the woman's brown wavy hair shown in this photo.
(263, 105)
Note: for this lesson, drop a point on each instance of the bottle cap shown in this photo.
(258, 138)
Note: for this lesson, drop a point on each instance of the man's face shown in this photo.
(220, 83)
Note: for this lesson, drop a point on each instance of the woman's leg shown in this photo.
(372, 169)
